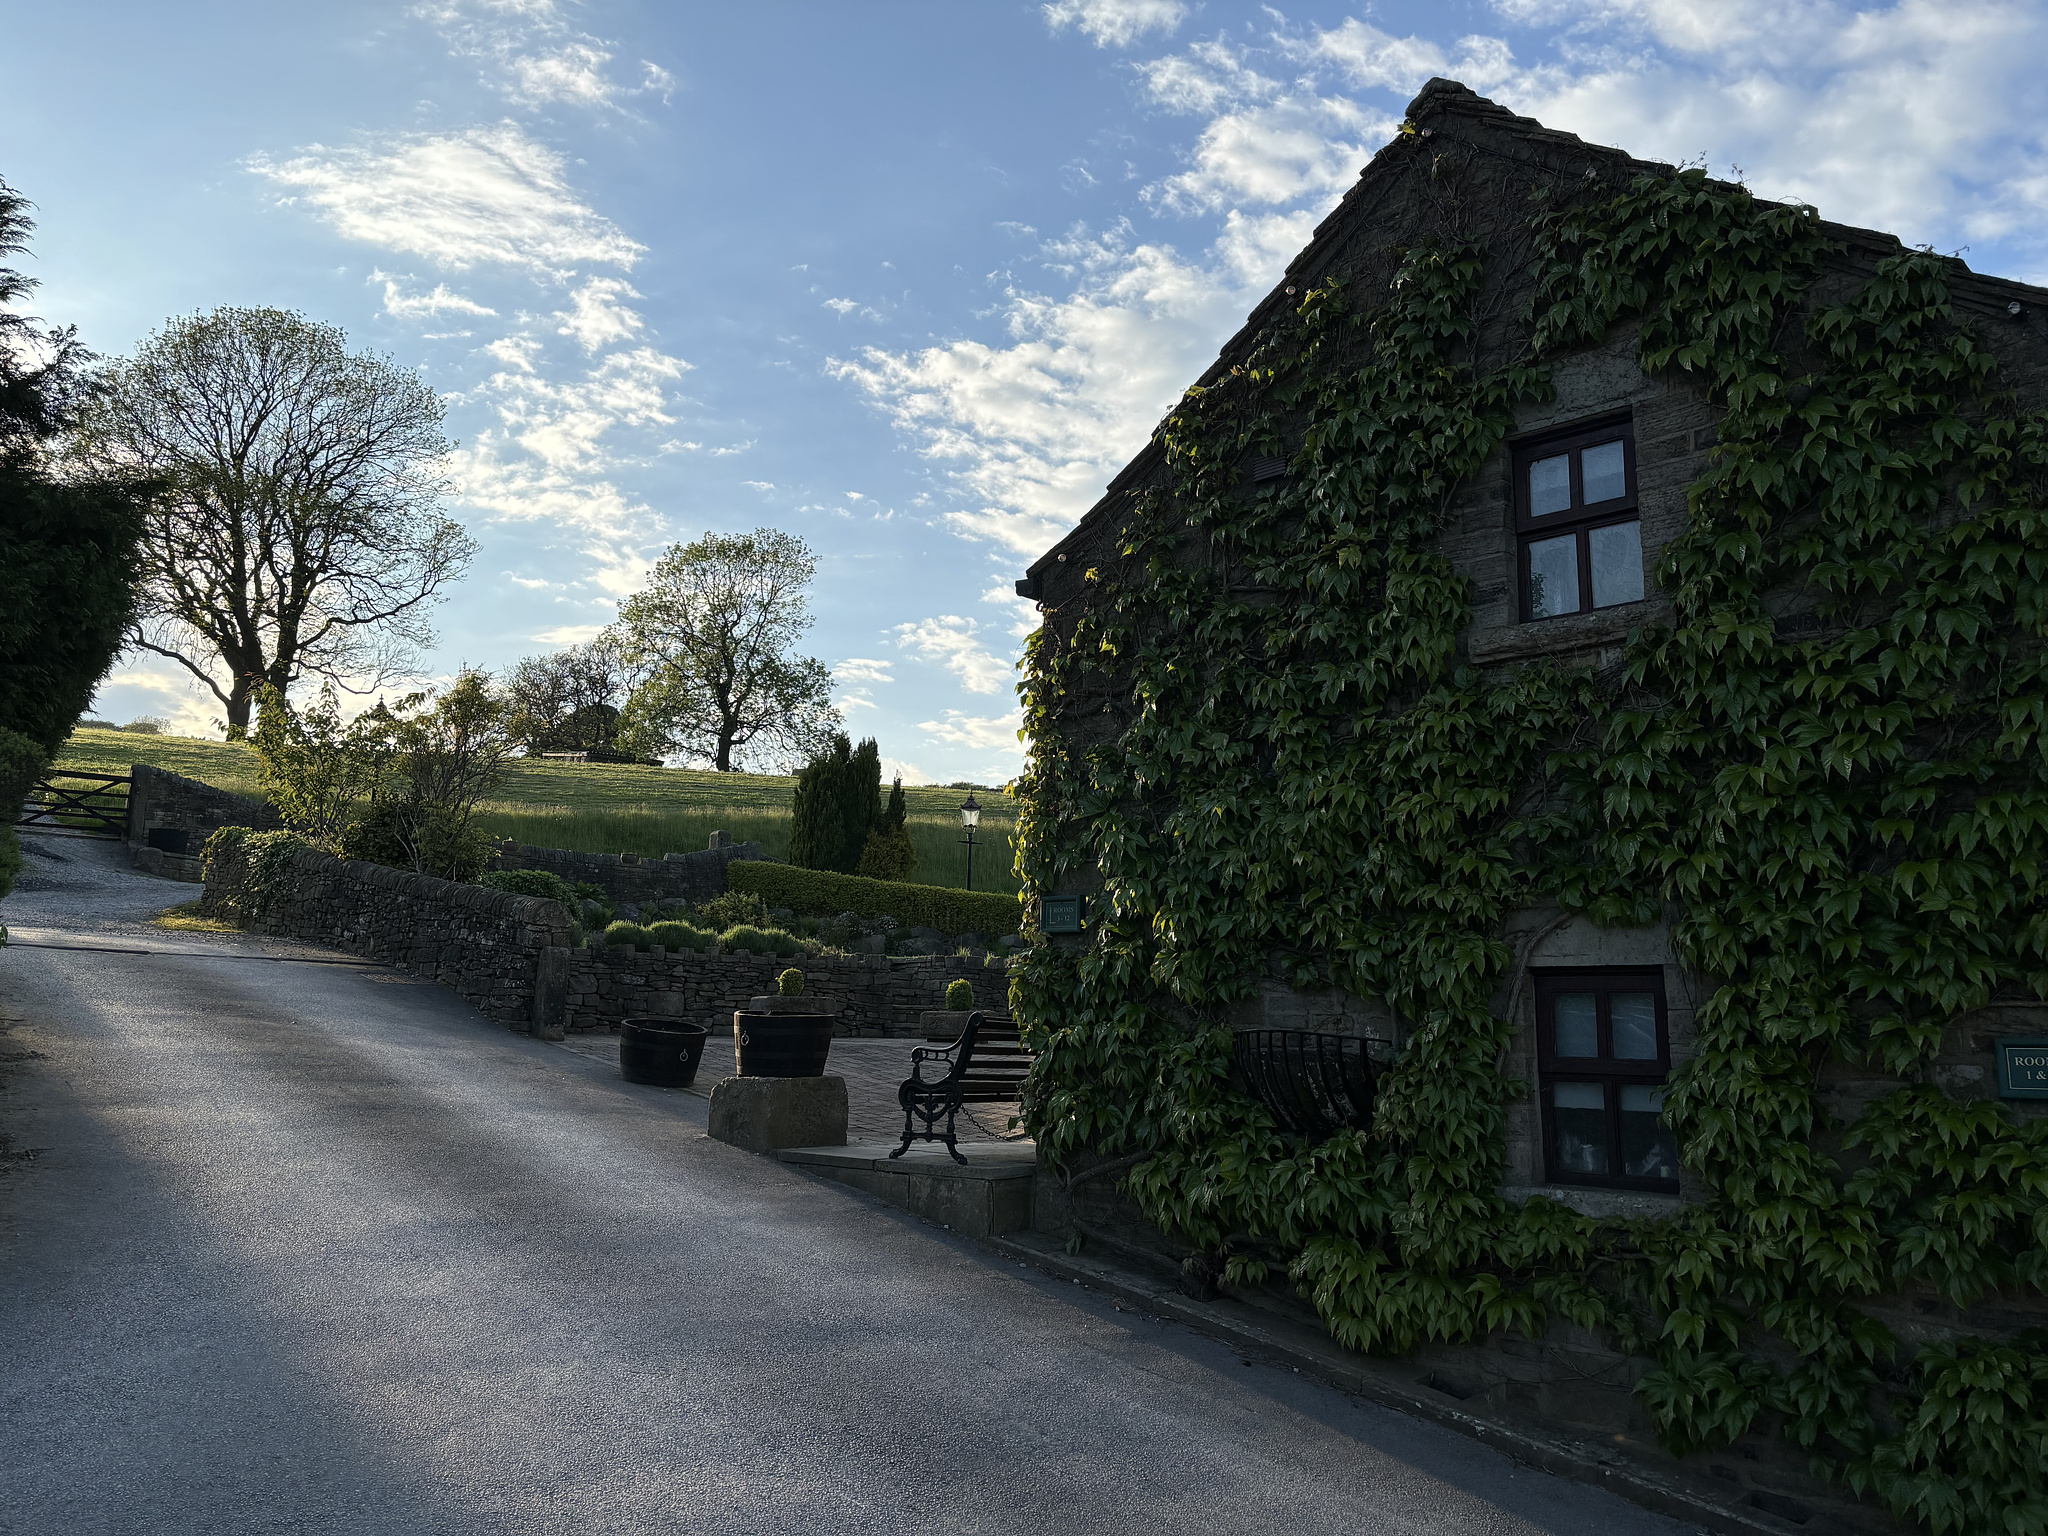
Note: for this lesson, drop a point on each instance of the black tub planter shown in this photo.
(783, 1037)
(661, 1052)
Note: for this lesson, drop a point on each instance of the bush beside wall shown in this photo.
(920, 906)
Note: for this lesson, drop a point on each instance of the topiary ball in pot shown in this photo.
(960, 995)
(790, 983)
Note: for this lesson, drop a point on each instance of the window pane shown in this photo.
(1554, 576)
(1550, 485)
(1603, 472)
(1577, 1025)
(1647, 1149)
(1635, 1026)
(1579, 1120)
(1617, 564)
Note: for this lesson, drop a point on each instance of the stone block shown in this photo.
(763, 1113)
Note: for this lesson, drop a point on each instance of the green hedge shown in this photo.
(532, 882)
(821, 893)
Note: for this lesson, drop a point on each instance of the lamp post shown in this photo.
(970, 818)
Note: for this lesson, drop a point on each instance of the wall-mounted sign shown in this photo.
(2023, 1068)
(1062, 914)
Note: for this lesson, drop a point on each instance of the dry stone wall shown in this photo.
(510, 957)
(170, 817)
(875, 994)
(485, 944)
(625, 877)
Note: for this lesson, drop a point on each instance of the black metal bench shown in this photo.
(986, 1065)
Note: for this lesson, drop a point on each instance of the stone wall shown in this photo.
(625, 877)
(487, 945)
(509, 956)
(168, 804)
(875, 994)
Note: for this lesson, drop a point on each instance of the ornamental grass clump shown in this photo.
(747, 939)
(680, 936)
(625, 935)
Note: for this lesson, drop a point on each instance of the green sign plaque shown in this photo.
(1062, 914)
(2023, 1068)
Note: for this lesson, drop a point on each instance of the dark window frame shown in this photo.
(1612, 1073)
(1580, 519)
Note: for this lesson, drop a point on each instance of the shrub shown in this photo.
(625, 935)
(732, 909)
(430, 840)
(760, 941)
(960, 995)
(790, 983)
(680, 936)
(532, 882)
(889, 855)
(927, 906)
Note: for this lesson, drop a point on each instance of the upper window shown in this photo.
(1575, 515)
(1603, 1052)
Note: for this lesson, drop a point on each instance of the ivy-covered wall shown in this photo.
(1291, 740)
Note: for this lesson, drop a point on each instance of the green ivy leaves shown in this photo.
(1258, 740)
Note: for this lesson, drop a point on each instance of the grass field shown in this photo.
(605, 808)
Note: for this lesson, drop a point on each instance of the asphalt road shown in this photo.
(307, 1248)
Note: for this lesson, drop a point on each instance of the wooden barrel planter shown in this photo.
(662, 1053)
(772, 1038)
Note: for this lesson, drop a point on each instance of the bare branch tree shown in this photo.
(301, 533)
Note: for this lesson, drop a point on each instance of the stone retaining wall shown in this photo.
(159, 801)
(875, 994)
(485, 944)
(509, 956)
(626, 877)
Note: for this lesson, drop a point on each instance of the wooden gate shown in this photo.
(84, 804)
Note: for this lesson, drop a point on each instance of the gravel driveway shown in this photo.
(315, 1248)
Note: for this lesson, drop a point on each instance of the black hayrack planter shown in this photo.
(663, 1053)
(783, 1043)
(1315, 1084)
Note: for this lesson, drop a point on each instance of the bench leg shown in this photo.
(951, 1111)
(907, 1134)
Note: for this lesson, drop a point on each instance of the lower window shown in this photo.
(1604, 1052)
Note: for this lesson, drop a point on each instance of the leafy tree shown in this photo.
(715, 629)
(315, 766)
(435, 760)
(569, 701)
(298, 531)
(67, 545)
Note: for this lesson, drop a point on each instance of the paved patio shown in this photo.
(873, 1069)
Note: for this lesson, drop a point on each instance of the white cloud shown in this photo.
(841, 306)
(596, 319)
(759, 485)
(909, 773)
(987, 733)
(1038, 426)
(481, 196)
(863, 669)
(950, 640)
(1115, 23)
(568, 634)
(401, 305)
(535, 59)
(531, 583)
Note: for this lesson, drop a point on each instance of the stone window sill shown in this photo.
(1598, 630)
(1626, 1204)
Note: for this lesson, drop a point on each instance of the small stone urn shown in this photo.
(785, 1035)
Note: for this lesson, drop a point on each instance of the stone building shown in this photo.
(1453, 671)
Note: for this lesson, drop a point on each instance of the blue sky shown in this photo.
(909, 280)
